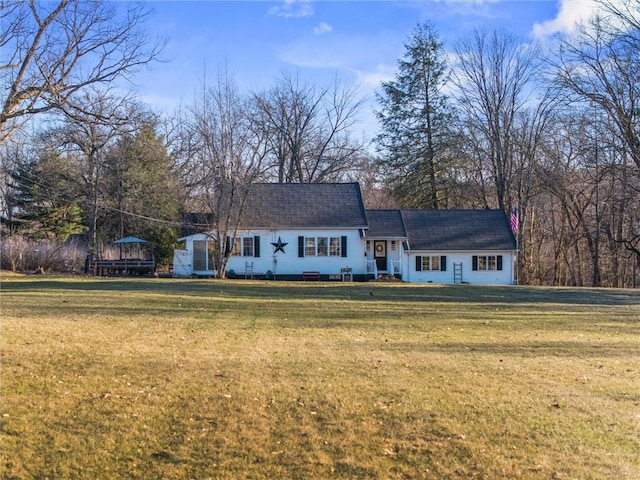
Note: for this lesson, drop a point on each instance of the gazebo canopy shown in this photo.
(126, 240)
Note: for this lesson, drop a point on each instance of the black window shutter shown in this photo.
(474, 262)
(343, 245)
(300, 246)
(256, 246)
(443, 263)
(499, 262)
(227, 247)
(418, 263)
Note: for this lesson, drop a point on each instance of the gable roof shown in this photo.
(458, 230)
(385, 223)
(304, 205)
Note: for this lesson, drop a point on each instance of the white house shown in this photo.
(323, 232)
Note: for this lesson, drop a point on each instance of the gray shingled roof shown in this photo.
(458, 230)
(385, 223)
(309, 205)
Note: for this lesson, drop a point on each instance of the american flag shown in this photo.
(514, 220)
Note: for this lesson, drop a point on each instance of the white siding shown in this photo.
(289, 263)
(183, 259)
(182, 263)
(486, 277)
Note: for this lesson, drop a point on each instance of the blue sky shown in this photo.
(358, 42)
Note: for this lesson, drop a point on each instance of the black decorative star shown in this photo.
(279, 245)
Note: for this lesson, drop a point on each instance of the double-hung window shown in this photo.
(431, 263)
(323, 246)
(236, 251)
(310, 247)
(334, 246)
(486, 262)
(248, 246)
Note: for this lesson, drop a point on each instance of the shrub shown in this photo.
(20, 254)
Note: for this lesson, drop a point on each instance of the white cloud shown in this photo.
(344, 52)
(570, 14)
(371, 80)
(292, 9)
(322, 28)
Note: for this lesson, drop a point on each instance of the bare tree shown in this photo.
(600, 70)
(494, 76)
(52, 51)
(309, 130)
(532, 125)
(225, 150)
(600, 67)
(626, 17)
(93, 120)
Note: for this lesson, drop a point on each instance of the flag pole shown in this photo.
(515, 228)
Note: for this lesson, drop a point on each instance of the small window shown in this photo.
(323, 246)
(247, 247)
(310, 247)
(236, 251)
(334, 247)
(435, 263)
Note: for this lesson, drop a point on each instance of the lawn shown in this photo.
(173, 379)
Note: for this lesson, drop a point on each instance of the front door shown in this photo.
(380, 254)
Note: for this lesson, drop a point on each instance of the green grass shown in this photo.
(155, 378)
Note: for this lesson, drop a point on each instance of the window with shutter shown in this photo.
(486, 262)
(433, 263)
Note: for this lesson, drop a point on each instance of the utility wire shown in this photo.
(52, 190)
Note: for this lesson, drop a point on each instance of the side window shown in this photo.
(435, 263)
(247, 246)
(486, 262)
(310, 247)
(235, 250)
(323, 246)
(334, 246)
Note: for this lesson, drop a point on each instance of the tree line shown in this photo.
(549, 131)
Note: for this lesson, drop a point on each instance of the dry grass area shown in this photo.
(154, 378)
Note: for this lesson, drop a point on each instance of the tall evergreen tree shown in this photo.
(142, 192)
(415, 121)
(46, 198)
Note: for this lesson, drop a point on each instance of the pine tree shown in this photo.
(46, 198)
(415, 120)
(141, 191)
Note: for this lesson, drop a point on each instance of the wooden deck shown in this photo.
(129, 266)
